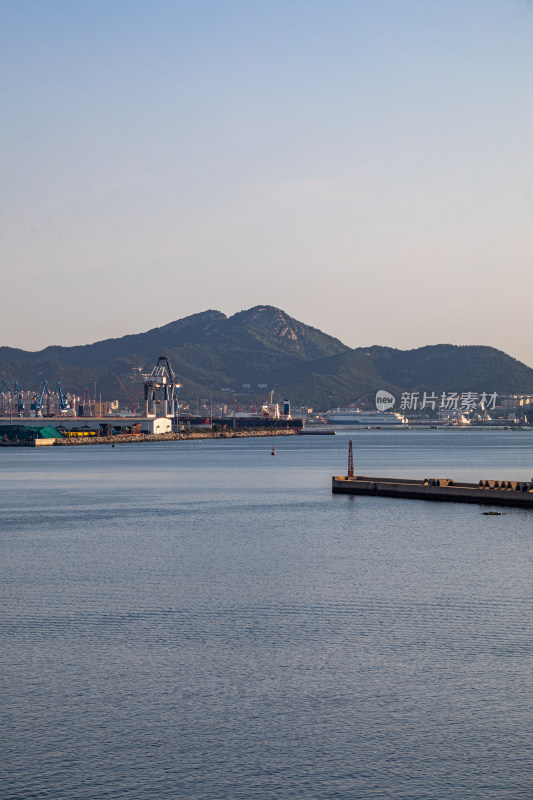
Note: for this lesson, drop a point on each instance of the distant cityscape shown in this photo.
(260, 369)
(162, 400)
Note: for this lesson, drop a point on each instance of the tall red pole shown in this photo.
(350, 459)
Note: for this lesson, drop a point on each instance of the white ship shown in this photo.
(369, 419)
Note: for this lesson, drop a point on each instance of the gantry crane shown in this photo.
(161, 389)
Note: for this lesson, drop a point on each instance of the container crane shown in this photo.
(63, 400)
(37, 402)
(161, 389)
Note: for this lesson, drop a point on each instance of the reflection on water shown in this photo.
(201, 620)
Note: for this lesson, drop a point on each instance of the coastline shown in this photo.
(170, 437)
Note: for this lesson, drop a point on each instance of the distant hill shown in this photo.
(263, 345)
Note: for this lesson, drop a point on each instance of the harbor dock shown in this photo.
(486, 492)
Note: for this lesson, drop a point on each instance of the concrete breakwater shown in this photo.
(169, 437)
(486, 492)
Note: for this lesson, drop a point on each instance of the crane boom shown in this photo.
(63, 400)
(38, 401)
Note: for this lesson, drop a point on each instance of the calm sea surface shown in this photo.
(202, 620)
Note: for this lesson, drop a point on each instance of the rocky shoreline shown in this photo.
(171, 437)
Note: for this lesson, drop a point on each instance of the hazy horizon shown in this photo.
(365, 167)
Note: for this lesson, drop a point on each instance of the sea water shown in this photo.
(204, 620)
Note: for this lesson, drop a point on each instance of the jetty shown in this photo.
(485, 492)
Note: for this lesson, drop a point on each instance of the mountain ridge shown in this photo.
(265, 347)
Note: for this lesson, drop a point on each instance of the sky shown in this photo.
(364, 165)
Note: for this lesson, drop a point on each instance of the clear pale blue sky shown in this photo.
(366, 165)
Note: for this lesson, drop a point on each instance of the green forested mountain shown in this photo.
(260, 349)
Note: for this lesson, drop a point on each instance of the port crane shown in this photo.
(64, 402)
(161, 389)
(37, 402)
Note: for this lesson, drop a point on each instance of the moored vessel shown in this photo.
(367, 419)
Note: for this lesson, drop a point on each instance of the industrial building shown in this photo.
(94, 426)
